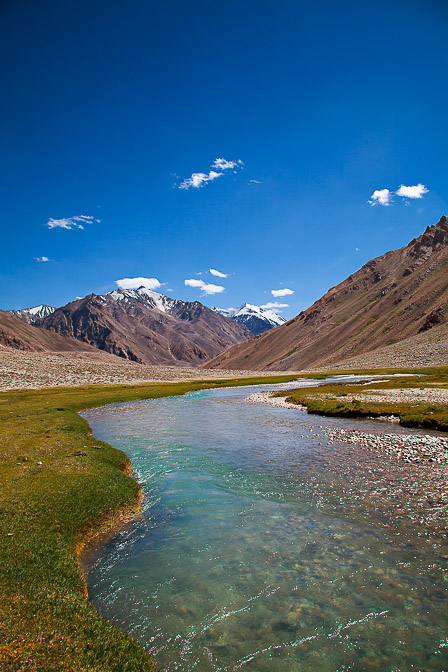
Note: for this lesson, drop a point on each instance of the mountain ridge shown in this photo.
(392, 297)
(16, 332)
(146, 327)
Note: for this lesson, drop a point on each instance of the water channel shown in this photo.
(264, 547)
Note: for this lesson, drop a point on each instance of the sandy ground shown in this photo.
(33, 370)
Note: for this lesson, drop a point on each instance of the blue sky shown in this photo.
(111, 107)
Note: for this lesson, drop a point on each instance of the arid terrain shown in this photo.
(33, 370)
(428, 349)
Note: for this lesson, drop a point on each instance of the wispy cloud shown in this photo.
(282, 292)
(223, 164)
(135, 283)
(255, 181)
(198, 180)
(41, 258)
(274, 305)
(207, 287)
(381, 197)
(416, 191)
(218, 274)
(76, 222)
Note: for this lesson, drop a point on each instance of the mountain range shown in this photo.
(146, 327)
(395, 296)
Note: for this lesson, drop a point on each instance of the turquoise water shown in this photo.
(264, 548)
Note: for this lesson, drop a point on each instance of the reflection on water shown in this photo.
(264, 548)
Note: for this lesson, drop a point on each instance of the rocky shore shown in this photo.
(418, 448)
(267, 398)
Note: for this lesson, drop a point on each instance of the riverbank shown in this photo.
(412, 402)
(60, 486)
(418, 401)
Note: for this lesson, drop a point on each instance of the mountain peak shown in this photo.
(255, 318)
(33, 315)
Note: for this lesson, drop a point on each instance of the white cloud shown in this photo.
(199, 179)
(282, 292)
(274, 305)
(207, 288)
(381, 196)
(192, 282)
(385, 196)
(223, 164)
(416, 191)
(135, 283)
(218, 274)
(255, 181)
(76, 222)
(41, 258)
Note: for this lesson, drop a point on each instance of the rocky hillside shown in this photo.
(255, 318)
(15, 332)
(397, 295)
(147, 327)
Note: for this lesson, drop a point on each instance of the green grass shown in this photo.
(47, 510)
(329, 399)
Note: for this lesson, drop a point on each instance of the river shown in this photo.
(264, 547)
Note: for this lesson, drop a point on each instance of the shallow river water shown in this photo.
(263, 547)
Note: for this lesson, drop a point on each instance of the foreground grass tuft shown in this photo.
(58, 485)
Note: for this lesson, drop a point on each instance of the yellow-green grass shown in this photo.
(330, 399)
(48, 509)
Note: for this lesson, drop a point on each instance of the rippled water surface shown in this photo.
(264, 548)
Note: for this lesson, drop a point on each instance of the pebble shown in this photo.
(417, 448)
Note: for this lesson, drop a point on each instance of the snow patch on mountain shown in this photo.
(156, 300)
(255, 318)
(33, 315)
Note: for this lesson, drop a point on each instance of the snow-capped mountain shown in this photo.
(255, 318)
(153, 299)
(33, 315)
(147, 327)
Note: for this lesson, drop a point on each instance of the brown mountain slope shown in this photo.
(147, 327)
(426, 349)
(17, 333)
(392, 297)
